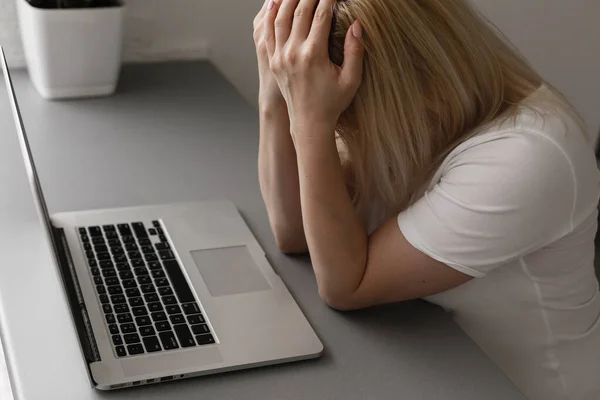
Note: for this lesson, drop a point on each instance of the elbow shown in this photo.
(291, 244)
(338, 301)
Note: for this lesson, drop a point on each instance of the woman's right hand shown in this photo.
(270, 96)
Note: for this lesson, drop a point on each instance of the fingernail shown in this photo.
(271, 4)
(357, 29)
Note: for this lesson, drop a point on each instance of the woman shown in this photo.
(416, 155)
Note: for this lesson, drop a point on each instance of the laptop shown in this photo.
(160, 293)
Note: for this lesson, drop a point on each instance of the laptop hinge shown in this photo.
(77, 306)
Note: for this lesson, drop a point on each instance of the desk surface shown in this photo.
(180, 132)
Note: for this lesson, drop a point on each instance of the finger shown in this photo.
(284, 20)
(351, 74)
(303, 18)
(258, 19)
(321, 26)
(269, 27)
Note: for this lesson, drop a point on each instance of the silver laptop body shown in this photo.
(168, 292)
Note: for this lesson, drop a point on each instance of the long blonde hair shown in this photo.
(434, 71)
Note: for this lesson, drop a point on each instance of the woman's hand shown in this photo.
(270, 96)
(316, 90)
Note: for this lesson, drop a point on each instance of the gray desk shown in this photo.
(179, 132)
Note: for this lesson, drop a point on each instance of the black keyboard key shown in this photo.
(152, 344)
(117, 299)
(163, 326)
(136, 302)
(200, 329)
(159, 230)
(124, 229)
(108, 228)
(128, 239)
(165, 290)
(137, 263)
(166, 255)
(190, 308)
(173, 309)
(155, 223)
(106, 264)
(131, 338)
(180, 285)
(113, 328)
(168, 340)
(124, 318)
(143, 321)
(95, 231)
(159, 273)
(140, 271)
(134, 255)
(149, 288)
(110, 318)
(138, 311)
(148, 250)
(144, 279)
(161, 282)
(92, 262)
(162, 246)
(131, 247)
(126, 275)
(117, 340)
(195, 319)
(82, 231)
(168, 300)
(139, 229)
(121, 308)
(159, 316)
(145, 242)
(98, 280)
(177, 319)
(112, 281)
(103, 299)
(120, 258)
(204, 339)
(108, 272)
(120, 351)
(129, 284)
(150, 257)
(123, 266)
(100, 289)
(150, 297)
(87, 246)
(128, 328)
(100, 248)
(90, 255)
(85, 238)
(98, 240)
(147, 331)
(184, 335)
(162, 238)
(116, 251)
(114, 242)
(103, 256)
(115, 290)
(111, 235)
(152, 232)
(106, 308)
(154, 307)
(135, 349)
(154, 265)
(132, 292)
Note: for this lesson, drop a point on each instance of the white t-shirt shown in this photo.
(516, 208)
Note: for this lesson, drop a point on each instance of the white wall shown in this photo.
(560, 37)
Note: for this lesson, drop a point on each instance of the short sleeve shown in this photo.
(494, 201)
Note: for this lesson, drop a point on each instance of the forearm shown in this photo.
(278, 176)
(335, 236)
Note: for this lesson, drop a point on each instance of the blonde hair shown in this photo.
(434, 71)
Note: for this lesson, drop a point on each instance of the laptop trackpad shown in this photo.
(229, 270)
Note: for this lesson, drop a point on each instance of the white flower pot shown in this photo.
(72, 52)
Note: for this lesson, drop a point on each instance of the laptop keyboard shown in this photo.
(147, 303)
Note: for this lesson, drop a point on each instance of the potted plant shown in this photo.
(72, 47)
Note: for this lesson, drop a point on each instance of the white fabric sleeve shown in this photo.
(494, 202)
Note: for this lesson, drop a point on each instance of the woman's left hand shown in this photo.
(317, 91)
